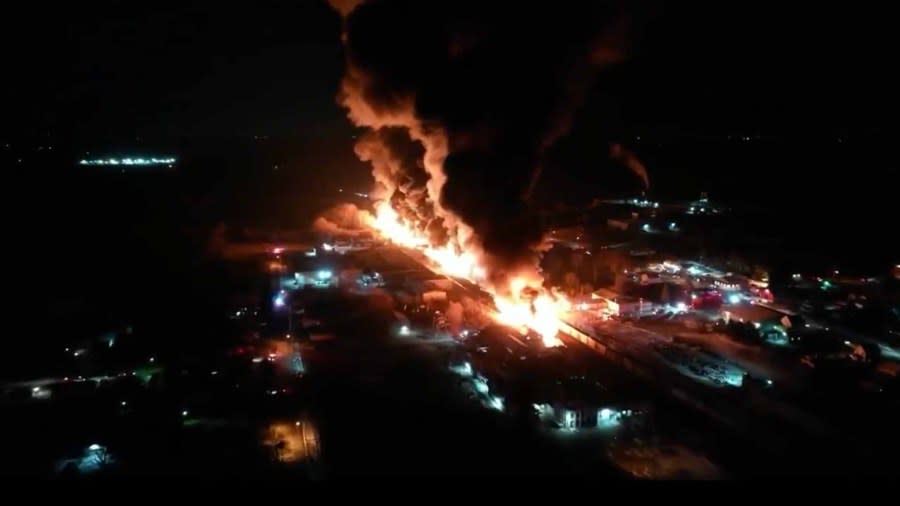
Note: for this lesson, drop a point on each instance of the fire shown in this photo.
(523, 303)
(540, 314)
(463, 264)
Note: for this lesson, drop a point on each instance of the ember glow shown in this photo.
(522, 303)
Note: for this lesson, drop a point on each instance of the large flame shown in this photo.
(522, 303)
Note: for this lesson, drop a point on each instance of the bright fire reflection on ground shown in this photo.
(296, 441)
(524, 303)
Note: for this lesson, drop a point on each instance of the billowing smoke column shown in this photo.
(400, 177)
(483, 88)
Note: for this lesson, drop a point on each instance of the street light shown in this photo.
(280, 302)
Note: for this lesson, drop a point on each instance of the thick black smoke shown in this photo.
(498, 80)
(395, 159)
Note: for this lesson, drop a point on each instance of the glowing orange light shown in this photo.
(523, 303)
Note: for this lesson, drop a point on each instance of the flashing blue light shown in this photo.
(645, 227)
(95, 447)
(464, 370)
(497, 403)
(607, 418)
(324, 274)
(404, 330)
(279, 301)
(481, 386)
(681, 306)
(734, 299)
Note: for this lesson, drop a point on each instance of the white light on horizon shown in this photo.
(128, 161)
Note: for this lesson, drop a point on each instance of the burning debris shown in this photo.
(454, 153)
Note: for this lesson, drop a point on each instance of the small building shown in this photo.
(768, 324)
(620, 305)
(759, 314)
(573, 404)
(731, 283)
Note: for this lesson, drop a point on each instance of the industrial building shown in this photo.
(560, 388)
(765, 323)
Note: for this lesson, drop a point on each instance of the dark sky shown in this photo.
(103, 73)
(763, 65)
(200, 69)
(192, 69)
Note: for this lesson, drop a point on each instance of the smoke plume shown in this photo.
(344, 6)
(630, 160)
(483, 88)
(343, 220)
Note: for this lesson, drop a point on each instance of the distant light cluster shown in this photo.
(128, 161)
(643, 203)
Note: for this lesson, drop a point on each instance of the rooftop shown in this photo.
(755, 313)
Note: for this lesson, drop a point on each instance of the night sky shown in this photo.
(103, 76)
(118, 76)
(202, 69)
(190, 70)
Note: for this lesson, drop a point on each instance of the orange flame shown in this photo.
(523, 303)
